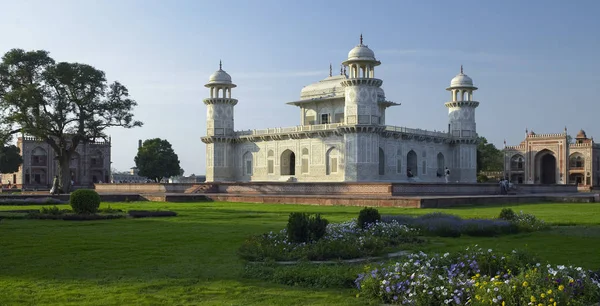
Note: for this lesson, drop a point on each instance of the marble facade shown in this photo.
(343, 135)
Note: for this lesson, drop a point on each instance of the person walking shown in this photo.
(54, 189)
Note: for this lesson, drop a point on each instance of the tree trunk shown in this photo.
(64, 173)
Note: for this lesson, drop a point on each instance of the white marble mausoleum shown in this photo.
(343, 134)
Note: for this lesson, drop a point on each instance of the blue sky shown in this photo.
(535, 62)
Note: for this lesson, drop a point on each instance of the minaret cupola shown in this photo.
(361, 61)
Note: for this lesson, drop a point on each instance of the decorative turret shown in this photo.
(461, 108)
(361, 87)
(219, 113)
(462, 127)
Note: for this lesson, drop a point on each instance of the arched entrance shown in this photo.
(411, 163)
(546, 163)
(288, 163)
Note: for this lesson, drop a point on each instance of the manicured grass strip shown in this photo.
(191, 259)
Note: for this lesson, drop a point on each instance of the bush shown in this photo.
(297, 227)
(148, 213)
(85, 201)
(305, 274)
(302, 227)
(368, 215)
(53, 211)
(482, 178)
(109, 210)
(507, 214)
(317, 227)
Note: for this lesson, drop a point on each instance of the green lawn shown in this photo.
(191, 258)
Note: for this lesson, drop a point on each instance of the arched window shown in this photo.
(97, 160)
(338, 115)
(331, 158)
(381, 162)
(517, 162)
(310, 118)
(411, 164)
(576, 161)
(39, 157)
(441, 164)
(270, 162)
(304, 167)
(247, 158)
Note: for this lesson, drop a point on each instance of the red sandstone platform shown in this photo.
(414, 201)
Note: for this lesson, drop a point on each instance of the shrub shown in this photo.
(507, 214)
(109, 210)
(302, 227)
(368, 215)
(305, 274)
(317, 227)
(297, 227)
(52, 211)
(148, 213)
(482, 178)
(529, 223)
(85, 201)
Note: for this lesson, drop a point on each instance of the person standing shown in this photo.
(447, 174)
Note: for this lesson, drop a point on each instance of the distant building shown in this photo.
(89, 164)
(551, 159)
(188, 179)
(132, 176)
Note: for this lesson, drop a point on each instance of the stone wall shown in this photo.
(332, 188)
(145, 188)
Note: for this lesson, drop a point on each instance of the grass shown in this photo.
(191, 259)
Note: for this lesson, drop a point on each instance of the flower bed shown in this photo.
(344, 240)
(478, 277)
(445, 225)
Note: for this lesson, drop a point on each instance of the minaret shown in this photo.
(219, 127)
(362, 115)
(462, 128)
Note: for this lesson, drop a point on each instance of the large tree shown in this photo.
(63, 104)
(10, 159)
(156, 159)
(489, 158)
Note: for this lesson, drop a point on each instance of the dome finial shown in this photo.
(461, 69)
(330, 70)
(361, 38)
(220, 65)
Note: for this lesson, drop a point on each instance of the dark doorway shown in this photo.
(411, 162)
(548, 169)
(288, 163)
(292, 164)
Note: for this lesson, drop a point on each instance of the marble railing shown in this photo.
(324, 127)
(292, 129)
(415, 131)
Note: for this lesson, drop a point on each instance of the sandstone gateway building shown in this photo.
(343, 135)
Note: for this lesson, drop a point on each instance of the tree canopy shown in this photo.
(489, 158)
(156, 159)
(63, 104)
(10, 159)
